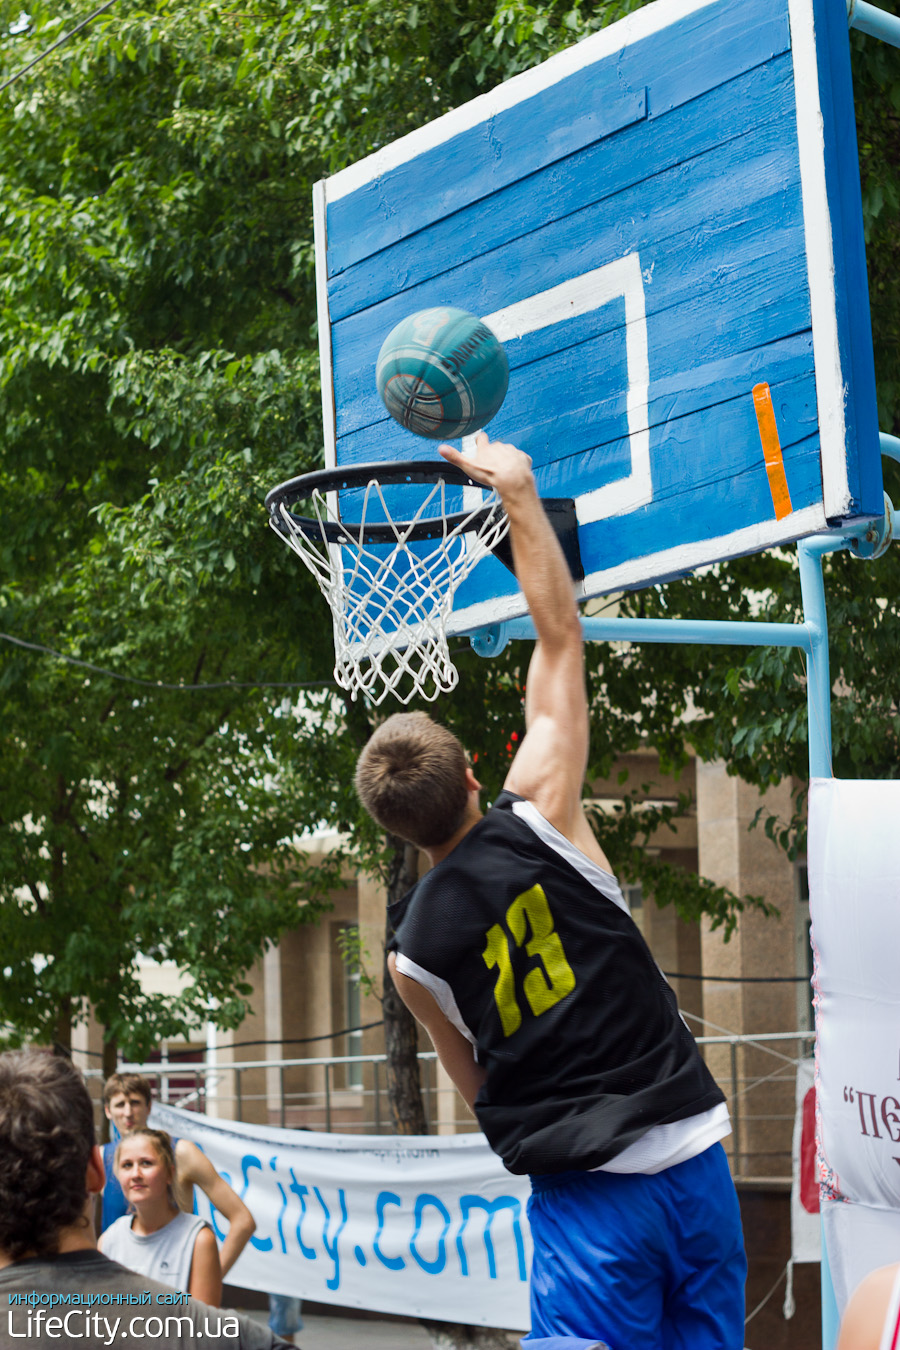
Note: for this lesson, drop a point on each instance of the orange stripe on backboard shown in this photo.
(771, 447)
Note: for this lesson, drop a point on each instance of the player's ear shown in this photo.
(472, 782)
(95, 1176)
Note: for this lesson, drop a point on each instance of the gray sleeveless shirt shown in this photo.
(164, 1255)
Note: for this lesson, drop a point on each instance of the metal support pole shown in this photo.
(489, 641)
(831, 1321)
(874, 21)
(735, 1112)
(890, 445)
(818, 674)
(377, 1083)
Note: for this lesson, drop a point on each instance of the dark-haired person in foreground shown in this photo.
(55, 1287)
(518, 955)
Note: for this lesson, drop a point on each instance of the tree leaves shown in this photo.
(158, 373)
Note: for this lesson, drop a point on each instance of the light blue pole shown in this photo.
(874, 21)
(717, 632)
(890, 445)
(818, 673)
(831, 1322)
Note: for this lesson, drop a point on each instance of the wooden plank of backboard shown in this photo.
(516, 141)
(597, 173)
(744, 255)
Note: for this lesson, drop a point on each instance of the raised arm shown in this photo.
(550, 764)
(195, 1169)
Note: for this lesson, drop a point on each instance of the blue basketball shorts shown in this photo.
(638, 1262)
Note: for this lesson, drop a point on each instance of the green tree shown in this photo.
(158, 372)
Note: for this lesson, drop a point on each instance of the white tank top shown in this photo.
(164, 1255)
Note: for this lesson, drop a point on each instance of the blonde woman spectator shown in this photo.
(157, 1238)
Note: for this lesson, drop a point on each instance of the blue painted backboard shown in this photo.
(663, 225)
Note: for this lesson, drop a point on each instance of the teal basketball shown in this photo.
(442, 373)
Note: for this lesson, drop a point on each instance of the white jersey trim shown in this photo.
(600, 879)
(440, 991)
(665, 1145)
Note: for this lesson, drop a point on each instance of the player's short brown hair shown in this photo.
(126, 1083)
(46, 1138)
(411, 778)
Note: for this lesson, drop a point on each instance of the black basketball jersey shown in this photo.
(529, 948)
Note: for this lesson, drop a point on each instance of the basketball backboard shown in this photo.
(663, 225)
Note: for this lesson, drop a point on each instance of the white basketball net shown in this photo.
(391, 601)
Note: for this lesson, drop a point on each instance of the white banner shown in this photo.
(422, 1225)
(854, 888)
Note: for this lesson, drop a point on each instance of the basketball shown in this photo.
(442, 373)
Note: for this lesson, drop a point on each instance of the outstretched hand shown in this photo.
(497, 465)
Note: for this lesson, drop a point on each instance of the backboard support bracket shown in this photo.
(562, 516)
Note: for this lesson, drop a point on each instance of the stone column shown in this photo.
(761, 949)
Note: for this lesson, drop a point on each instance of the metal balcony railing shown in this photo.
(348, 1094)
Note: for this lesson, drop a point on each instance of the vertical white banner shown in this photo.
(854, 887)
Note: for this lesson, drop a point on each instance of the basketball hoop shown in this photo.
(389, 584)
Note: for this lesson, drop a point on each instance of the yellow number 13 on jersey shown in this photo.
(542, 988)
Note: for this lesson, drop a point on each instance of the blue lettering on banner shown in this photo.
(302, 1192)
(386, 1198)
(491, 1207)
(248, 1161)
(332, 1247)
(284, 1204)
(472, 1223)
(437, 1265)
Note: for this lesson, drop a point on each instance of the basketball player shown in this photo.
(518, 955)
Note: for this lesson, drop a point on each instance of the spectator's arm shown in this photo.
(195, 1169)
(205, 1280)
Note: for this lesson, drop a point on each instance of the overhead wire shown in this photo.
(58, 43)
(167, 684)
(186, 1056)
